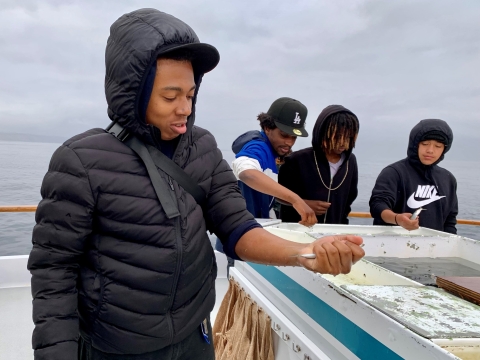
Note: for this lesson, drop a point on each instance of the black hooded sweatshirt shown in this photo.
(300, 174)
(407, 185)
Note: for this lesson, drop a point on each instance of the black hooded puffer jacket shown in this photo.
(106, 261)
(407, 185)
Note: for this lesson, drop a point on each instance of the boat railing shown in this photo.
(353, 214)
(459, 221)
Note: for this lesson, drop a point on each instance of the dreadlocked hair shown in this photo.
(266, 121)
(341, 127)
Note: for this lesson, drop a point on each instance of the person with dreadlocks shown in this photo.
(326, 174)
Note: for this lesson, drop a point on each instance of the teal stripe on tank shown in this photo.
(354, 338)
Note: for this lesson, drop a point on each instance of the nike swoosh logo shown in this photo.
(415, 204)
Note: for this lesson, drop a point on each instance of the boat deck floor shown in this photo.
(16, 323)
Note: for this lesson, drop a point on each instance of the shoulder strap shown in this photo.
(177, 173)
(153, 158)
(168, 205)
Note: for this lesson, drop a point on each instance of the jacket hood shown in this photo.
(425, 127)
(136, 40)
(245, 138)
(319, 128)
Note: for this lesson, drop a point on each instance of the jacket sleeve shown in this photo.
(384, 193)
(225, 208)
(258, 150)
(451, 221)
(63, 222)
(353, 191)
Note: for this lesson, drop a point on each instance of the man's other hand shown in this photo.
(334, 254)
(319, 207)
(404, 221)
(306, 213)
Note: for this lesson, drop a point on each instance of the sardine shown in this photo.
(313, 256)
(415, 214)
(308, 256)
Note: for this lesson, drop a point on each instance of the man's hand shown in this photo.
(334, 254)
(305, 212)
(262, 183)
(319, 207)
(404, 221)
(400, 219)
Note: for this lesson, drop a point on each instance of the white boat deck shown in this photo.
(16, 325)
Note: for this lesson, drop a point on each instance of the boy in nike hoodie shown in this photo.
(418, 182)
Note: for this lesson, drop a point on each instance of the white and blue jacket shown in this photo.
(256, 153)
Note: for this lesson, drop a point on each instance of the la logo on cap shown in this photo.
(297, 118)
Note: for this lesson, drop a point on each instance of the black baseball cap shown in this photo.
(205, 56)
(289, 115)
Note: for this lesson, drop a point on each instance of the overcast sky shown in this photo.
(392, 63)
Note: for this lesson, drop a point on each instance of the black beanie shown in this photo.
(435, 135)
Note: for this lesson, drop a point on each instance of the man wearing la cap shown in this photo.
(122, 267)
(257, 155)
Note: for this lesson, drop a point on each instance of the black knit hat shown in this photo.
(435, 135)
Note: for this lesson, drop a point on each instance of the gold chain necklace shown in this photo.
(329, 189)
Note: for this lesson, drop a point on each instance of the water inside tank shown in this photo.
(424, 270)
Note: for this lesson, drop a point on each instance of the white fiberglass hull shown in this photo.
(321, 317)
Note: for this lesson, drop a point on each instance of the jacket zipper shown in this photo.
(178, 236)
(328, 200)
(330, 189)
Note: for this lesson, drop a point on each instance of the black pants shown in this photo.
(194, 347)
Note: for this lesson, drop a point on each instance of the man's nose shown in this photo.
(184, 108)
(290, 141)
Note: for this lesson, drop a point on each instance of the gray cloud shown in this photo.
(392, 63)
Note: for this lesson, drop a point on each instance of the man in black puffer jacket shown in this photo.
(110, 270)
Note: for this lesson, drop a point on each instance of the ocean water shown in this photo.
(23, 166)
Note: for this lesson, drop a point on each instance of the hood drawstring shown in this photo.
(429, 176)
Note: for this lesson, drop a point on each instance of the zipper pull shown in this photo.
(171, 184)
(204, 329)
